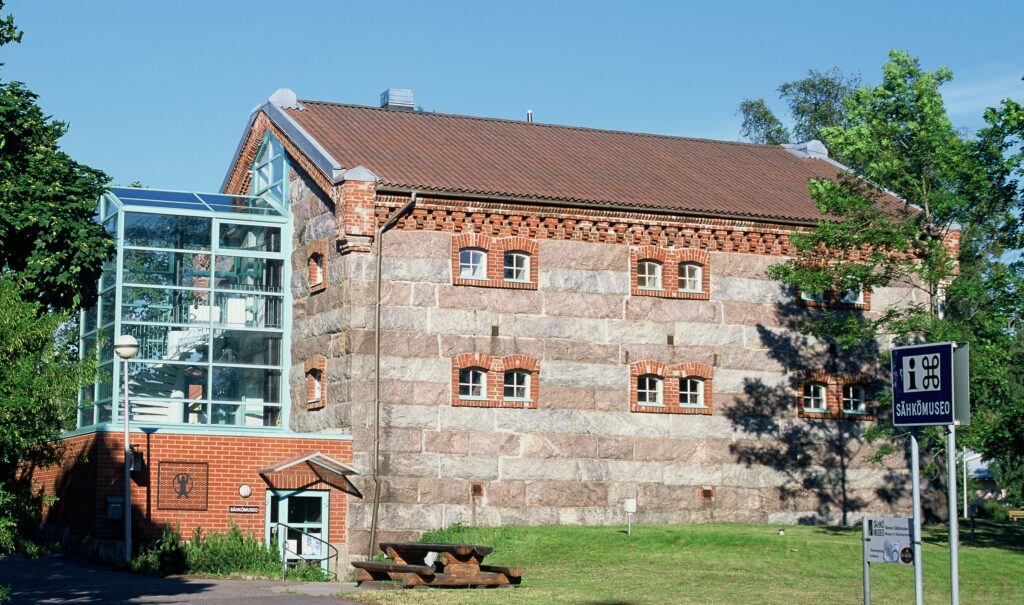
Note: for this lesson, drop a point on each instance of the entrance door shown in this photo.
(305, 514)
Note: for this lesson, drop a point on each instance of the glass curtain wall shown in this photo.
(199, 281)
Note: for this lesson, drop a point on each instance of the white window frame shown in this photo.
(270, 168)
(318, 386)
(815, 392)
(318, 265)
(814, 296)
(473, 264)
(691, 273)
(520, 381)
(852, 297)
(644, 276)
(520, 263)
(648, 385)
(685, 391)
(854, 399)
(472, 379)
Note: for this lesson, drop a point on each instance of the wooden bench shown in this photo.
(1016, 515)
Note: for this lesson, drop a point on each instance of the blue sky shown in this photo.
(160, 91)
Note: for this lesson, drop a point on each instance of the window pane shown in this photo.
(517, 384)
(104, 411)
(165, 342)
(248, 310)
(107, 307)
(247, 384)
(167, 381)
(167, 231)
(257, 414)
(517, 266)
(691, 391)
(106, 343)
(471, 383)
(852, 297)
(165, 306)
(85, 415)
(88, 346)
(105, 382)
(225, 413)
(89, 319)
(166, 268)
(690, 277)
(249, 274)
(256, 238)
(473, 264)
(237, 346)
(648, 275)
(649, 390)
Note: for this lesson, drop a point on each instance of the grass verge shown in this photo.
(723, 563)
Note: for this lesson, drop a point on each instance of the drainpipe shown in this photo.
(379, 243)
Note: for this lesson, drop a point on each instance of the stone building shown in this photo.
(476, 321)
(568, 318)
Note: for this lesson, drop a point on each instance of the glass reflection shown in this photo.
(167, 231)
(174, 343)
(166, 381)
(166, 268)
(256, 238)
(248, 274)
(164, 305)
(248, 310)
(255, 348)
(253, 385)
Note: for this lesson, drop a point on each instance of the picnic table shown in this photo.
(437, 564)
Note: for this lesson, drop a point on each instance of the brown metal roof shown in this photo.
(482, 156)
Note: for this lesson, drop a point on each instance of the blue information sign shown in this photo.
(922, 385)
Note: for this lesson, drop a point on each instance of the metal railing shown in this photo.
(281, 531)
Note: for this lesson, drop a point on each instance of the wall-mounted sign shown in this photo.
(182, 485)
(244, 510)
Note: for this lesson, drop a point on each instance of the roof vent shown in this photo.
(397, 98)
(811, 149)
(284, 98)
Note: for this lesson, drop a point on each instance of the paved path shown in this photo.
(60, 579)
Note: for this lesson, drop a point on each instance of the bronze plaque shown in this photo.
(182, 485)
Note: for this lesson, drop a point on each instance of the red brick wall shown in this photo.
(93, 469)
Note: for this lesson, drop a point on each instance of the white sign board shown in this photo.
(888, 540)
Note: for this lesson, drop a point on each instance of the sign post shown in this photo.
(930, 388)
(886, 540)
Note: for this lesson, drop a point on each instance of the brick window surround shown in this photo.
(670, 375)
(316, 266)
(670, 259)
(495, 249)
(316, 383)
(834, 384)
(494, 368)
(834, 300)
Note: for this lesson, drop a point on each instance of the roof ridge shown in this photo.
(546, 125)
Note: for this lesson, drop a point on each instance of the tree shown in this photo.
(47, 202)
(913, 181)
(815, 102)
(50, 259)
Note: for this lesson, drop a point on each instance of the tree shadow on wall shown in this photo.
(811, 457)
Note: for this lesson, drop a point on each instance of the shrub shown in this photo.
(229, 553)
(994, 511)
(165, 557)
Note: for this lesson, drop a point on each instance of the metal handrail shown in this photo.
(282, 545)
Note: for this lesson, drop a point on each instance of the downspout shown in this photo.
(379, 244)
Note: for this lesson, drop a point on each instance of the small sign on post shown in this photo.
(886, 540)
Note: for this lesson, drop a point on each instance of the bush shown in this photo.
(993, 511)
(220, 554)
(165, 557)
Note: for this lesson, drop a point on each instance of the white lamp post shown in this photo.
(126, 347)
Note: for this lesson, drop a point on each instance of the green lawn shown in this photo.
(724, 563)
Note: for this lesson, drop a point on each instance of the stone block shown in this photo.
(741, 289)
(736, 381)
(408, 344)
(553, 445)
(444, 490)
(394, 294)
(532, 469)
(576, 280)
(403, 319)
(738, 358)
(704, 335)
(538, 326)
(400, 440)
(754, 314)
(591, 515)
(699, 426)
(668, 309)
(417, 244)
(575, 350)
(621, 423)
(585, 375)
(467, 419)
(575, 304)
(655, 496)
(454, 344)
(475, 443)
(413, 517)
(431, 270)
(430, 369)
(582, 255)
(686, 473)
(463, 321)
(566, 398)
(505, 493)
(409, 464)
(399, 490)
(740, 264)
(737, 498)
(525, 516)
(431, 393)
(496, 300)
(630, 470)
(611, 401)
(637, 332)
(615, 448)
(424, 294)
(566, 493)
(533, 421)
